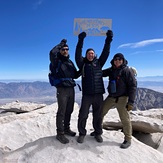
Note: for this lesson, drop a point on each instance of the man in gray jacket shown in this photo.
(122, 91)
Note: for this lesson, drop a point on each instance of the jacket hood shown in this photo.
(120, 55)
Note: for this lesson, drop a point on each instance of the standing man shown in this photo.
(92, 85)
(122, 91)
(63, 73)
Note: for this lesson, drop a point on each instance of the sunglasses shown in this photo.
(65, 49)
(116, 59)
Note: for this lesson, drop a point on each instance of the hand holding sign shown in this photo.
(82, 35)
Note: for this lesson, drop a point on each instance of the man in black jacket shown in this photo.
(122, 91)
(92, 85)
(64, 72)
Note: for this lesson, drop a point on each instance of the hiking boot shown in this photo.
(92, 133)
(69, 132)
(80, 139)
(99, 138)
(125, 144)
(62, 138)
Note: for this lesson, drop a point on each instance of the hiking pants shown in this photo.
(120, 104)
(65, 98)
(96, 102)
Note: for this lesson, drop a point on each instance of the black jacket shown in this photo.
(126, 83)
(92, 80)
(63, 67)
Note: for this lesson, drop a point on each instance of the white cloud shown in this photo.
(160, 50)
(38, 3)
(141, 43)
(147, 52)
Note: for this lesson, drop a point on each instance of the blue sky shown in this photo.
(30, 29)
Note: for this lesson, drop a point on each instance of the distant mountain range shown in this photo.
(154, 85)
(146, 78)
(150, 78)
(42, 92)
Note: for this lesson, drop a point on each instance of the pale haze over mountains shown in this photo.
(149, 93)
(146, 78)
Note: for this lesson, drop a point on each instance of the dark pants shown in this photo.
(96, 102)
(65, 97)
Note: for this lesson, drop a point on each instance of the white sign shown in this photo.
(92, 26)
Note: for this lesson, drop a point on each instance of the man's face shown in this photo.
(64, 51)
(118, 61)
(90, 55)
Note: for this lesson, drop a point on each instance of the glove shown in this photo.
(82, 35)
(129, 106)
(109, 34)
(63, 41)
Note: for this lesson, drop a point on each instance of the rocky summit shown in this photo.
(30, 136)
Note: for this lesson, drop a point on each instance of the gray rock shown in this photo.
(21, 107)
(30, 137)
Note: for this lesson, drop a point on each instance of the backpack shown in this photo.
(52, 79)
(133, 69)
(53, 56)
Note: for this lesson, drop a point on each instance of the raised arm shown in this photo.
(106, 49)
(78, 53)
(106, 72)
(55, 50)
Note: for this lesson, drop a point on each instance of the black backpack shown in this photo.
(53, 56)
(53, 80)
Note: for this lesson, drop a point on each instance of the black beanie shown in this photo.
(89, 50)
(120, 55)
(64, 45)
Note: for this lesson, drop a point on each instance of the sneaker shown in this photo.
(62, 139)
(80, 139)
(125, 144)
(92, 133)
(99, 138)
(69, 132)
